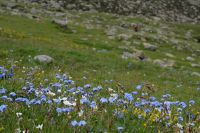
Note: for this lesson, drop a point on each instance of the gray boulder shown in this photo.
(150, 47)
(45, 59)
(63, 23)
(164, 63)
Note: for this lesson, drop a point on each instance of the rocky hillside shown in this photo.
(170, 10)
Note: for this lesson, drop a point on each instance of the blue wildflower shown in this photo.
(70, 82)
(74, 123)
(84, 101)
(38, 102)
(183, 105)
(32, 101)
(139, 87)
(66, 110)
(82, 123)
(71, 90)
(128, 96)
(120, 129)
(49, 102)
(4, 97)
(87, 86)
(2, 91)
(191, 102)
(155, 104)
(57, 101)
(58, 76)
(137, 104)
(93, 105)
(59, 110)
(21, 99)
(43, 98)
(152, 98)
(147, 111)
(3, 108)
(119, 114)
(180, 119)
(103, 100)
(134, 92)
(112, 99)
(12, 94)
(57, 85)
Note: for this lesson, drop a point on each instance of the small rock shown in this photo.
(122, 37)
(169, 55)
(150, 47)
(11, 5)
(164, 63)
(63, 23)
(190, 58)
(196, 74)
(195, 65)
(43, 59)
(137, 54)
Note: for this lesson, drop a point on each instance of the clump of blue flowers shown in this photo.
(4, 73)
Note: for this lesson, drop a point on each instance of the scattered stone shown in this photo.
(190, 58)
(122, 37)
(196, 74)
(150, 47)
(164, 63)
(169, 55)
(137, 54)
(11, 5)
(195, 65)
(63, 23)
(102, 51)
(127, 55)
(45, 59)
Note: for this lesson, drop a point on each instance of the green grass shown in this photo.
(21, 39)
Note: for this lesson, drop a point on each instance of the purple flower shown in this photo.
(120, 129)
(152, 98)
(2, 91)
(57, 101)
(103, 100)
(32, 102)
(59, 110)
(49, 102)
(12, 94)
(180, 119)
(134, 92)
(191, 102)
(3, 108)
(38, 102)
(74, 123)
(57, 85)
(4, 97)
(155, 104)
(82, 123)
(183, 105)
(71, 90)
(87, 86)
(58, 76)
(128, 96)
(84, 101)
(111, 99)
(137, 104)
(66, 110)
(93, 105)
(69, 82)
(21, 99)
(43, 98)
(139, 87)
